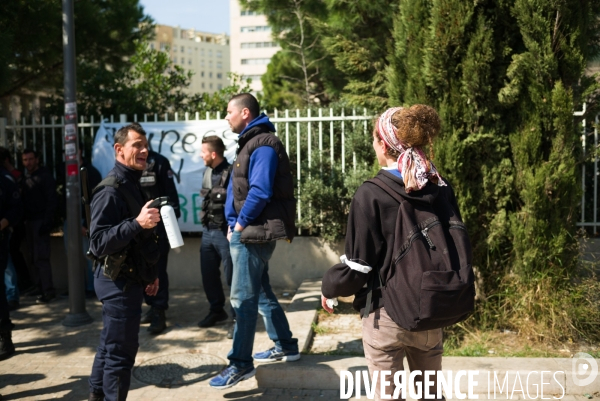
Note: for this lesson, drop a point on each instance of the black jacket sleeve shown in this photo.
(363, 246)
(12, 207)
(166, 180)
(111, 231)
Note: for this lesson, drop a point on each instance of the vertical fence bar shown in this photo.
(287, 132)
(145, 117)
(298, 169)
(343, 144)
(44, 158)
(187, 116)
(135, 118)
(155, 117)
(583, 145)
(24, 131)
(331, 147)
(309, 143)
(176, 117)
(353, 141)
(207, 115)
(321, 141)
(596, 176)
(14, 131)
(218, 115)
(197, 115)
(166, 117)
(92, 126)
(52, 121)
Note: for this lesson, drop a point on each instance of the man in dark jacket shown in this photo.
(157, 181)
(11, 212)
(39, 201)
(123, 241)
(215, 247)
(260, 209)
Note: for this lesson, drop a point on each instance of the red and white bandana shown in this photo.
(416, 170)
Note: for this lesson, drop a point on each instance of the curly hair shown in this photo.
(417, 126)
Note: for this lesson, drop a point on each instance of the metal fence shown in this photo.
(314, 139)
(589, 172)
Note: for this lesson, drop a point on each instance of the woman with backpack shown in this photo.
(399, 137)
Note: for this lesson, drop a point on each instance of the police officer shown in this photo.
(11, 212)
(124, 243)
(38, 191)
(157, 181)
(215, 247)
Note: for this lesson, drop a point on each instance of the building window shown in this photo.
(219, 65)
(254, 78)
(175, 60)
(219, 87)
(210, 85)
(202, 52)
(163, 46)
(219, 54)
(189, 49)
(183, 61)
(210, 53)
(210, 74)
(175, 49)
(255, 61)
(260, 28)
(183, 49)
(202, 85)
(255, 45)
(202, 74)
(189, 61)
(244, 13)
(219, 76)
(152, 46)
(210, 64)
(202, 63)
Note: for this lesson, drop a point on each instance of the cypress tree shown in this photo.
(504, 76)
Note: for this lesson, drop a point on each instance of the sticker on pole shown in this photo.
(70, 132)
(72, 169)
(70, 149)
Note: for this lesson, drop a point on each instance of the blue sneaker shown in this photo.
(230, 376)
(274, 355)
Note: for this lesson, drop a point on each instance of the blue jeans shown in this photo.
(214, 250)
(10, 281)
(251, 293)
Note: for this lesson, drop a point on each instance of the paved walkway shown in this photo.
(54, 362)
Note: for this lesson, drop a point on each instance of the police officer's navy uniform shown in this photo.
(113, 228)
(215, 246)
(11, 210)
(40, 201)
(156, 181)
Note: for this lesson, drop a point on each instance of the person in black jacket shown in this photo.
(215, 247)
(157, 180)
(11, 212)
(40, 200)
(398, 139)
(123, 242)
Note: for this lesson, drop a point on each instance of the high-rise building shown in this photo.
(205, 54)
(251, 44)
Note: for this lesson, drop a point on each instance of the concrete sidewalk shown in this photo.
(54, 361)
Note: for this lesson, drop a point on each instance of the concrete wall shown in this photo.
(305, 257)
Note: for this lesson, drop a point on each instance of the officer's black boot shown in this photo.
(96, 397)
(158, 323)
(7, 347)
(147, 317)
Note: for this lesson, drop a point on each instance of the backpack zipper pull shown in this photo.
(424, 232)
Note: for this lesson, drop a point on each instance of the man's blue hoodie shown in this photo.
(261, 177)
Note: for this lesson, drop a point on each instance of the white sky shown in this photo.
(202, 15)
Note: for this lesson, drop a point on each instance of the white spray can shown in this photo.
(171, 226)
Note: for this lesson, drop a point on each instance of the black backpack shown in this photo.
(431, 282)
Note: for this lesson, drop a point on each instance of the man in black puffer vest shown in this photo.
(260, 208)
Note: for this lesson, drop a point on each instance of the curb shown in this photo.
(520, 376)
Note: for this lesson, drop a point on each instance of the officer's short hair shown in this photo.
(27, 151)
(247, 101)
(121, 135)
(215, 144)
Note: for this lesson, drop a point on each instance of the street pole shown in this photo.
(77, 315)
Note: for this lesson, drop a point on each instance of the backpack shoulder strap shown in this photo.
(387, 189)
